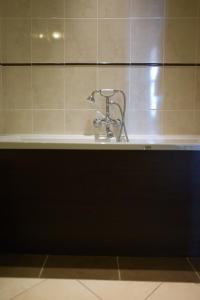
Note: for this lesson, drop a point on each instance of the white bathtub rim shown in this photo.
(137, 142)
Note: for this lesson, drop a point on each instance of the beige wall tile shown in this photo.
(18, 121)
(48, 87)
(1, 88)
(80, 8)
(180, 40)
(114, 40)
(2, 128)
(79, 122)
(179, 88)
(113, 78)
(144, 122)
(48, 121)
(79, 83)
(148, 8)
(199, 9)
(146, 88)
(17, 88)
(147, 41)
(197, 121)
(16, 46)
(81, 40)
(181, 8)
(114, 9)
(197, 104)
(15, 8)
(47, 8)
(0, 40)
(198, 41)
(178, 122)
(48, 40)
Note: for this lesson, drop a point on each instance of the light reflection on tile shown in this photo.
(147, 41)
(146, 88)
(48, 41)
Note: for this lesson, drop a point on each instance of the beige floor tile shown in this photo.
(121, 290)
(177, 291)
(11, 287)
(58, 290)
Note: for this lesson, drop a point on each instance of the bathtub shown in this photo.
(78, 142)
(58, 199)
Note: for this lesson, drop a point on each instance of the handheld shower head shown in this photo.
(91, 98)
(107, 92)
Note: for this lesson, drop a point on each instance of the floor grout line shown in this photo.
(43, 265)
(154, 290)
(193, 267)
(118, 268)
(89, 290)
(28, 289)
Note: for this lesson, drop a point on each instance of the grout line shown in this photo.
(43, 265)
(118, 268)
(164, 34)
(28, 289)
(130, 88)
(97, 41)
(193, 267)
(31, 49)
(66, 104)
(97, 67)
(154, 290)
(89, 290)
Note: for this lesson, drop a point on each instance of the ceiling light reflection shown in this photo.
(56, 35)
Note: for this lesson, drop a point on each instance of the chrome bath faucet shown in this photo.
(106, 119)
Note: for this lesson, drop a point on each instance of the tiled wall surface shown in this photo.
(51, 99)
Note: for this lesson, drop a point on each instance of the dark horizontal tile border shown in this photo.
(102, 64)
